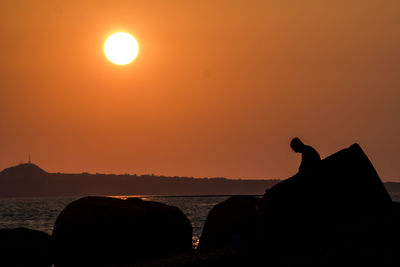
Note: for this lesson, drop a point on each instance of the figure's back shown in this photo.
(309, 159)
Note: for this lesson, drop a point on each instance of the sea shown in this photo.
(41, 213)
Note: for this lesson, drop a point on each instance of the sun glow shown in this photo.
(121, 48)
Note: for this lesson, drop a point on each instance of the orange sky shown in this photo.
(218, 88)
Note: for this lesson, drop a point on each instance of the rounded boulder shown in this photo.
(102, 230)
(232, 223)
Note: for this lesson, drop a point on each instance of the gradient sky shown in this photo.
(219, 88)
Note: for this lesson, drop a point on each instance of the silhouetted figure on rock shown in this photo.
(309, 156)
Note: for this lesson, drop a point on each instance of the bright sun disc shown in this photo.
(121, 48)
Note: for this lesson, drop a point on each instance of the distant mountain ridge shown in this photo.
(29, 180)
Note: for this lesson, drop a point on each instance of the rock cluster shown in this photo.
(339, 213)
(101, 231)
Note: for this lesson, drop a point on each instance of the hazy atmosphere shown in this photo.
(218, 88)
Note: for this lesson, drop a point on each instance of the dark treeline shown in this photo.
(28, 180)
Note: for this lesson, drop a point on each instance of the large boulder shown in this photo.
(24, 247)
(105, 231)
(231, 223)
(341, 207)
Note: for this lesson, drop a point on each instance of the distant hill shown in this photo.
(23, 170)
(29, 180)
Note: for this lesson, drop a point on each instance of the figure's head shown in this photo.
(297, 145)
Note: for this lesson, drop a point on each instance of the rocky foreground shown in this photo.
(338, 214)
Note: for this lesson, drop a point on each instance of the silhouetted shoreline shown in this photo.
(338, 213)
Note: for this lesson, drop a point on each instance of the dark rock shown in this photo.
(24, 247)
(396, 206)
(109, 231)
(231, 223)
(341, 206)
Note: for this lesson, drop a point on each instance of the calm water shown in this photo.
(41, 213)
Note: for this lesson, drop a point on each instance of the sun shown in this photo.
(121, 48)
